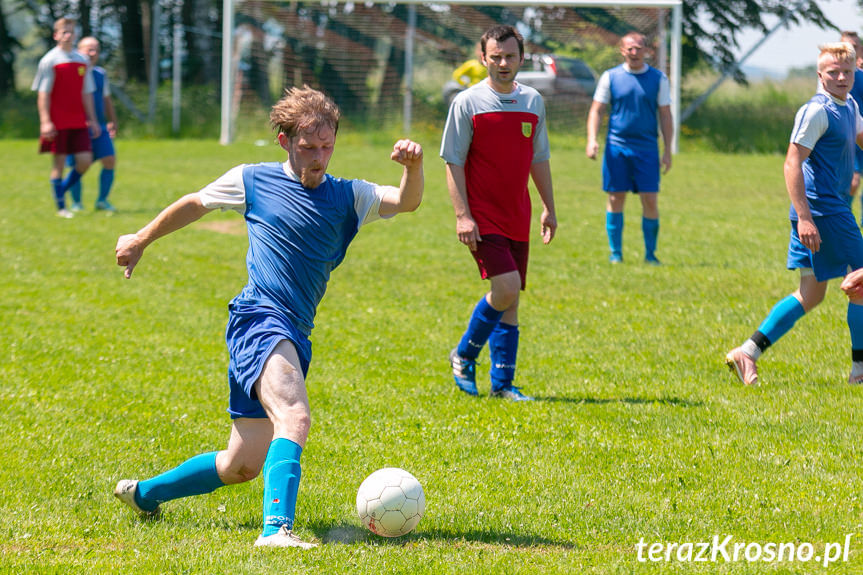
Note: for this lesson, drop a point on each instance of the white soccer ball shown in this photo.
(390, 502)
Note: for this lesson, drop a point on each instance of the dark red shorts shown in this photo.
(67, 142)
(496, 255)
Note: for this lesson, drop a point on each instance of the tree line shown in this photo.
(710, 29)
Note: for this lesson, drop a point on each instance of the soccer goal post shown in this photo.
(389, 62)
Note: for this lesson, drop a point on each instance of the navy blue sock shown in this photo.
(503, 349)
(482, 321)
(281, 483)
(194, 476)
(57, 188)
(614, 229)
(781, 318)
(106, 180)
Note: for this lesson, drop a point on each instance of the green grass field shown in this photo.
(639, 430)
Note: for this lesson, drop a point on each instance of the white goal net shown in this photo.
(392, 64)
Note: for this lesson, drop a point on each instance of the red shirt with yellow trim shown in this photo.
(496, 137)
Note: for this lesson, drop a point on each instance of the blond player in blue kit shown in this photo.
(825, 241)
(300, 221)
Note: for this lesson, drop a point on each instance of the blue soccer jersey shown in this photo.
(634, 99)
(857, 94)
(828, 127)
(297, 235)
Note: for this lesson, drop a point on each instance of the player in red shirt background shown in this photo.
(65, 102)
(494, 140)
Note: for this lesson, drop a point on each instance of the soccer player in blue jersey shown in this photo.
(636, 92)
(300, 221)
(825, 241)
(852, 38)
(103, 144)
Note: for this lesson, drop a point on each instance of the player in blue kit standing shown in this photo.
(825, 240)
(300, 221)
(852, 38)
(636, 93)
(103, 144)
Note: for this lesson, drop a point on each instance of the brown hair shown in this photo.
(302, 110)
(501, 34)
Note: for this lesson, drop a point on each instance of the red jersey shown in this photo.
(66, 77)
(497, 137)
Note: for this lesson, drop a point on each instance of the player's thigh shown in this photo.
(281, 390)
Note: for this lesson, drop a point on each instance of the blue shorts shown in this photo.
(628, 170)
(103, 146)
(252, 334)
(858, 160)
(841, 247)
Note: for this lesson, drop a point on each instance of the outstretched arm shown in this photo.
(409, 194)
(181, 213)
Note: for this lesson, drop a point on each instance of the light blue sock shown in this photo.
(106, 180)
(650, 229)
(503, 349)
(75, 192)
(614, 228)
(59, 194)
(281, 484)
(482, 321)
(194, 476)
(72, 178)
(855, 324)
(781, 318)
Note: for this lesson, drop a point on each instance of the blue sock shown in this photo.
(650, 229)
(614, 228)
(57, 187)
(281, 484)
(503, 349)
(855, 324)
(482, 321)
(75, 192)
(781, 318)
(194, 476)
(71, 179)
(106, 180)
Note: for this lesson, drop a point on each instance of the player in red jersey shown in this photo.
(494, 140)
(65, 102)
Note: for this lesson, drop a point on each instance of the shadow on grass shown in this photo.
(350, 534)
(671, 401)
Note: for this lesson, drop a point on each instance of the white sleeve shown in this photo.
(367, 200)
(809, 125)
(44, 80)
(664, 97)
(603, 89)
(458, 132)
(227, 192)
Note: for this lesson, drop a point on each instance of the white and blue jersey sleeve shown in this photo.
(602, 94)
(228, 193)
